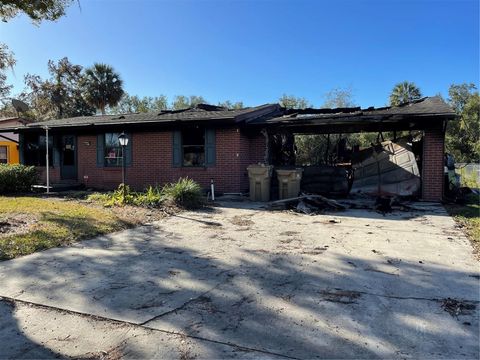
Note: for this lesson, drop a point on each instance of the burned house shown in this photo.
(209, 143)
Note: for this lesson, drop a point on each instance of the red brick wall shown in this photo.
(253, 148)
(433, 164)
(54, 174)
(152, 162)
(244, 161)
(257, 149)
(87, 170)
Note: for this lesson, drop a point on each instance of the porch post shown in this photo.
(47, 162)
(433, 165)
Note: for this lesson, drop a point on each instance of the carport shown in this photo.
(421, 123)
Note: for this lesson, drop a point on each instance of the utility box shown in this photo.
(289, 182)
(259, 176)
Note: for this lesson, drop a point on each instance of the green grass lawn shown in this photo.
(468, 216)
(45, 223)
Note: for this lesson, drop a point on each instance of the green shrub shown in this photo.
(152, 197)
(116, 198)
(185, 193)
(17, 178)
(100, 197)
(469, 179)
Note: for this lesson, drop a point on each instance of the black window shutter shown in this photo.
(177, 149)
(100, 150)
(210, 147)
(128, 150)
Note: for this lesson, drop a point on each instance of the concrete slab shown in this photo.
(344, 285)
(30, 332)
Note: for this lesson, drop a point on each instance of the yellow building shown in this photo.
(9, 153)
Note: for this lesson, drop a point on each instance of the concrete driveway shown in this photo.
(241, 282)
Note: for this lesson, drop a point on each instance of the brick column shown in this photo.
(433, 163)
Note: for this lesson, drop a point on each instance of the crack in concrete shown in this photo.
(13, 301)
(187, 302)
(405, 297)
(144, 325)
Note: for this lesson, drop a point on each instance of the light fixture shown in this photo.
(123, 139)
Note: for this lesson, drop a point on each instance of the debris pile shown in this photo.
(307, 204)
(458, 307)
(341, 296)
(383, 204)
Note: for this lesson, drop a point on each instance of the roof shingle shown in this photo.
(200, 113)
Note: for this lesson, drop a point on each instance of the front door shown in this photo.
(68, 158)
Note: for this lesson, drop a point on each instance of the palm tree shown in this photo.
(404, 92)
(102, 86)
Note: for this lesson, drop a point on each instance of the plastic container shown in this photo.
(260, 176)
(289, 182)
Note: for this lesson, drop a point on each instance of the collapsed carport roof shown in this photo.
(422, 114)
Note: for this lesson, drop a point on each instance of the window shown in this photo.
(112, 150)
(3, 155)
(193, 146)
(35, 150)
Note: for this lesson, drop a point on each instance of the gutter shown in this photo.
(110, 124)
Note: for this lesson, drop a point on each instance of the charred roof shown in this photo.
(422, 113)
(201, 112)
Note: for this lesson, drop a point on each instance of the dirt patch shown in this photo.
(316, 251)
(139, 215)
(185, 349)
(115, 353)
(16, 224)
(458, 307)
(289, 233)
(241, 221)
(373, 269)
(327, 222)
(341, 296)
(205, 303)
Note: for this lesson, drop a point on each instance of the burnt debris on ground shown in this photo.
(458, 307)
(312, 204)
(307, 204)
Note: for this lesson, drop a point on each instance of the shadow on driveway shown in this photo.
(301, 303)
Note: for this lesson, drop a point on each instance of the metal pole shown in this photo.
(47, 162)
(212, 189)
(123, 171)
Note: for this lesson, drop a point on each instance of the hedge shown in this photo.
(17, 178)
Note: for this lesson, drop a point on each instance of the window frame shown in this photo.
(6, 154)
(203, 146)
(118, 147)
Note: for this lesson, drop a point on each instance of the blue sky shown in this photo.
(254, 51)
